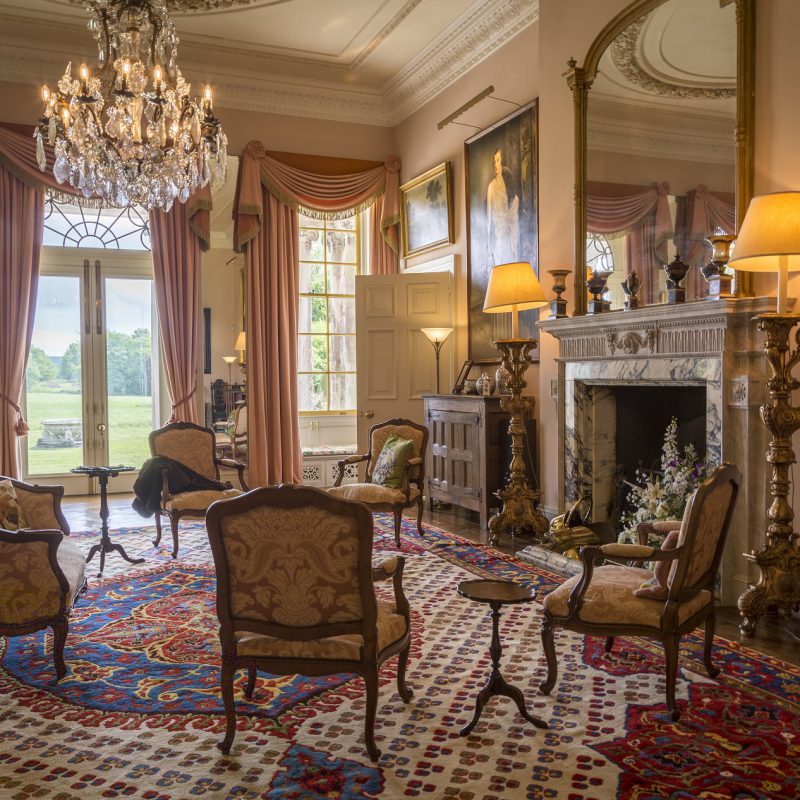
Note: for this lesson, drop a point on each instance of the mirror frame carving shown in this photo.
(580, 80)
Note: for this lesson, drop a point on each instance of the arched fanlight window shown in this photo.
(599, 256)
(67, 225)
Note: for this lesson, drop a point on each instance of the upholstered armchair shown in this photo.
(194, 447)
(41, 571)
(233, 440)
(295, 594)
(674, 599)
(386, 498)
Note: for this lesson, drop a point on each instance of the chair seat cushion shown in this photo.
(371, 493)
(391, 628)
(610, 599)
(198, 501)
(73, 564)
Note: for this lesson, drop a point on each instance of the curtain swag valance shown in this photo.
(18, 156)
(313, 195)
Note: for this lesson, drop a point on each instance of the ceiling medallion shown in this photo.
(120, 138)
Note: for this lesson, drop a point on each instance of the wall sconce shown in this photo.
(437, 337)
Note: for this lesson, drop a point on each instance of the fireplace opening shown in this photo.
(643, 414)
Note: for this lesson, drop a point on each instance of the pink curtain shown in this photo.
(641, 255)
(382, 259)
(272, 264)
(269, 194)
(610, 212)
(21, 219)
(176, 266)
(707, 211)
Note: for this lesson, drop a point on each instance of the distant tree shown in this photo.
(129, 363)
(70, 369)
(40, 369)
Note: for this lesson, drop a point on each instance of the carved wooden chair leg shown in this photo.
(710, 626)
(59, 640)
(251, 681)
(402, 662)
(174, 523)
(371, 682)
(549, 647)
(419, 516)
(398, 522)
(671, 655)
(609, 644)
(230, 711)
(158, 529)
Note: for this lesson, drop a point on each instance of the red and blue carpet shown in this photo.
(139, 712)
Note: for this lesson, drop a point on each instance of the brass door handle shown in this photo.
(368, 414)
(101, 427)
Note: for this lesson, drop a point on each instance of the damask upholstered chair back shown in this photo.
(293, 557)
(295, 594)
(192, 445)
(40, 505)
(703, 531)
(404, 429)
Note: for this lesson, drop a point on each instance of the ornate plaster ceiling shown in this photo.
(667, 84)
(372, 61)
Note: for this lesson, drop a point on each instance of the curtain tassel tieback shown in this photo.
(178, 403)
(21, 428)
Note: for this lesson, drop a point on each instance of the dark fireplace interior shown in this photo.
(643, 414)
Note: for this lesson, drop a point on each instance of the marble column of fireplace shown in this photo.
(708, 343)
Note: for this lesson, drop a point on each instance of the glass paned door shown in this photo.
(90, 395)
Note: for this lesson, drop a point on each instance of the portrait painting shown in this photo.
(502, 220)
(426, 211)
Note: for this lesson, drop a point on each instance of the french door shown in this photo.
(91, 383)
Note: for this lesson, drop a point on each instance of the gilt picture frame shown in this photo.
(501, 176)
(426, 211)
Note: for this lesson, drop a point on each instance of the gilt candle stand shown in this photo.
(779, 559)
(520, 501)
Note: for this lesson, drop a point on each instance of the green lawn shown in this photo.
(129, 423)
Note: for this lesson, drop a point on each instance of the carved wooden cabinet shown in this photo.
(468, 451)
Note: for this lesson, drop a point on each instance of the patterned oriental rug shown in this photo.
(139, 712)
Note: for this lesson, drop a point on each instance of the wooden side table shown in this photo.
(105, 545)
(497, 594)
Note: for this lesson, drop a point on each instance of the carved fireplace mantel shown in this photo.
(708, 343)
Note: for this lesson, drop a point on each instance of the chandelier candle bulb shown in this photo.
(45, 93)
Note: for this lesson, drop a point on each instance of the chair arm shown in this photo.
(644, 529)
(393, 568)
(238, 466)
(165, 494)
(634, 552)
(405, 486)
(354, 459)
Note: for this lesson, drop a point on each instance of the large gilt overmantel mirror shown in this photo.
(663, 142)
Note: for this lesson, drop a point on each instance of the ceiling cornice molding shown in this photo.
(646, 141)
(471, 39)
(460, 48)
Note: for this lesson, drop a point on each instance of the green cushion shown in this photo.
(392, 461)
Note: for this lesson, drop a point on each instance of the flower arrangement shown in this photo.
(664, 495)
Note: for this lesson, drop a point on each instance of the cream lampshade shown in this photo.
(769, 240)
(230, 361)
(241, 342)
(437, 337)
(513, 287)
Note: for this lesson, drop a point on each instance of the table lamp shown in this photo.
(230, 361)
(437, 337)
(241, 346)
(513, 288)
(769, 241)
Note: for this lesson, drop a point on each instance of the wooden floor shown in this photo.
(771, 638)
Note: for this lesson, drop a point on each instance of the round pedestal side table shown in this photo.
(496, 594)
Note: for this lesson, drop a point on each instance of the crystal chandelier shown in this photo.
(131, 133)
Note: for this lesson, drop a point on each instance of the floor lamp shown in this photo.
(769, 241)
(437, 337)
(230, 361)
(515, 287)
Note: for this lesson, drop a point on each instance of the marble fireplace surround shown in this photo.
(708, 343)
